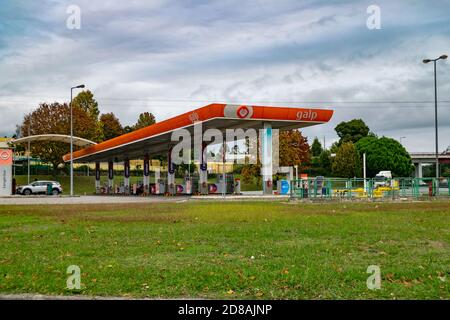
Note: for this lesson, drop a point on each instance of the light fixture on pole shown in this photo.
(81, 86)
(401, 138)
(443, 57)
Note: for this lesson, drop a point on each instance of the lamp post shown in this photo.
(401, 138)
(443, 57)
(81, 86)
(29, 150)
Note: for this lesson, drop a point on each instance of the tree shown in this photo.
(385, 154)
(294, 149)
(85, 100)
(182, 168)
(55, 118)
(325, 162)
(111, 126)
(145, 119)
(334, 147)
(127, 129)
(346, 163)
(316, 148)
(352, 130)
(250, 172)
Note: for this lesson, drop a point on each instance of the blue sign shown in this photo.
(285, 187)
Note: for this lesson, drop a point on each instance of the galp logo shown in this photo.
(243, 112)
(307, 115)
(235, 111)
(5, 155)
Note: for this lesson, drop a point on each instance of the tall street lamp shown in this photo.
(443, 57)
(81, 86)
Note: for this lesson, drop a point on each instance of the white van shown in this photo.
(381, 179)
(386, 174)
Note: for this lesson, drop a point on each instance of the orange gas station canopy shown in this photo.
(155, 139)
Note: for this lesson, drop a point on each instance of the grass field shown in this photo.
(229, 250)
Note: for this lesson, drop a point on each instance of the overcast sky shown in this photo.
(168, 57)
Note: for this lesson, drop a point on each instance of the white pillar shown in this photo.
(419, 169)
(158, 186)
(266, 159)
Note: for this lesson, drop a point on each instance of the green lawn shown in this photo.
(230, 250)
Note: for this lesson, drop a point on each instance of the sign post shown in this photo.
(6, 160)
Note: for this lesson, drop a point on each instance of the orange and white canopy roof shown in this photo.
(155, 139)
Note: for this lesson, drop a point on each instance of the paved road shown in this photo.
(84, 199)
(33, 200)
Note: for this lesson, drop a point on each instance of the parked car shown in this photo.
(39, 187)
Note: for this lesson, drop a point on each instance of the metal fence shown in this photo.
(358, 188)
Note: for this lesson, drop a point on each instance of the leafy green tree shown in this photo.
(325, 162)
(111, 126)
(182, 168)
(385, 154)
(85, 101)
(346, 163)
(316, 147)
(127, 129)
(145, 119)
(352, 130)
(334, 147)
(445, 169)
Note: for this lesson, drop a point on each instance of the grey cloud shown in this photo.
(157, 53)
